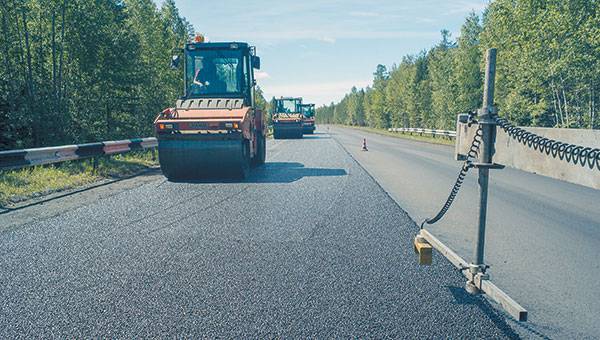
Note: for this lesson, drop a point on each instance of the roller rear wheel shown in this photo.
(168, 172)
(244, 170)
(261, 152)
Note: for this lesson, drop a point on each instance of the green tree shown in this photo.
(77, 71)
(356, 111)
(421, 97)
(466, 67)
(443, 88)
(378, 114)
(547, 70)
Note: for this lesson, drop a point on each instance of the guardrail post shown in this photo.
(488, 128)
(95, 165)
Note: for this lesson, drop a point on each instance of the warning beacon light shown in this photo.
(199, 38)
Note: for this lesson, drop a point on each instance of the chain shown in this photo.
(570, 153)
(468, 164)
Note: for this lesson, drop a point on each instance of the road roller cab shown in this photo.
(214, 128)
(287, 117)
(308, 118)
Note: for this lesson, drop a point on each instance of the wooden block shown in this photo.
(418, 239)
(424, 249)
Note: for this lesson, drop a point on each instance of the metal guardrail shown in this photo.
(15, 159)
(420, 131)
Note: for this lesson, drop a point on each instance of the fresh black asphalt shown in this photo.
(308, 246)
(540, 231)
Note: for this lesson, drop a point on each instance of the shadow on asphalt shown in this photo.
(313, 136)
(272, 172)
(461, 297)
(287, 172)
(317, 136)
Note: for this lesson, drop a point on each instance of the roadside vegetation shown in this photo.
(548, 72)
(86, 71)
(22, 184)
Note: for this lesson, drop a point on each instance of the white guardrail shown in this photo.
(446, 133)
(15, 159)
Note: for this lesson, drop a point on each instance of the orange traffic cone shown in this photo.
(364, 146)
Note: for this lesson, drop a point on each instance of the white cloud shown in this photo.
(261, 75)
(329, 40)
(332, 36)
(365, 14)
(425, 20)
(466, 6)
(395, 13)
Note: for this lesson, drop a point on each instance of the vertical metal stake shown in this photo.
(95, 165)
(486, 151)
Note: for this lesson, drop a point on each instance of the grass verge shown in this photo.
(424, 138)
(22, 184)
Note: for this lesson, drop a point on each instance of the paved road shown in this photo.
(309, 246)
(543, 236)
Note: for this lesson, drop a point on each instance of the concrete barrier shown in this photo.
(516, 154)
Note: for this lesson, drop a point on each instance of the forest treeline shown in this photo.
(75, 71)
(79, 71)
(548, 72)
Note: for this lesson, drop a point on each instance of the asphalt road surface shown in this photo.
(309, 246)
(543, 235)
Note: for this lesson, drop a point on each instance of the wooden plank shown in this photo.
(510, 306)
(513, 308)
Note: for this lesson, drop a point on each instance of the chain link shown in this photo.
(570, 153)
(468, 164)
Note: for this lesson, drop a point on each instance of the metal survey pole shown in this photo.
(488, 129)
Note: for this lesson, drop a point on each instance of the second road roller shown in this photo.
(308, 118)
(287, 118)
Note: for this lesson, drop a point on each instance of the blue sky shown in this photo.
(320, 49)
